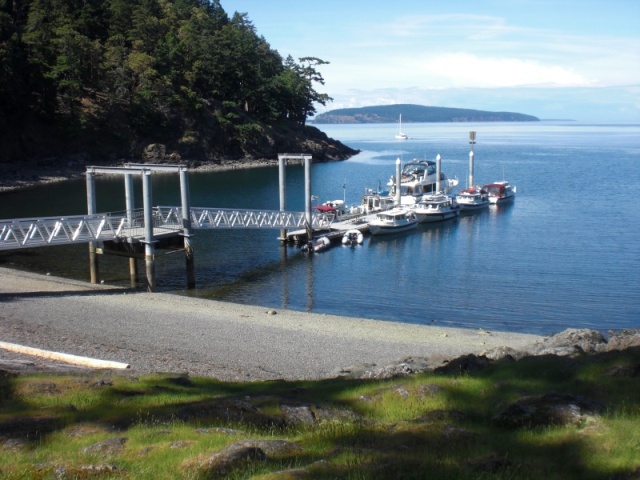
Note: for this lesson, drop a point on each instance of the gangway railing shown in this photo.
(39, 232)
(226, 218)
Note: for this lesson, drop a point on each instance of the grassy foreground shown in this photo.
(108, 425)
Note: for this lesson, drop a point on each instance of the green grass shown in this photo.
(422, 426)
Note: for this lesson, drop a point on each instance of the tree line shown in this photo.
(146, 63)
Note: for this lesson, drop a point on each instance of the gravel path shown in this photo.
(170, 333)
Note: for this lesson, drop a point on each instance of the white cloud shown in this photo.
(476, 51)
(466, 70)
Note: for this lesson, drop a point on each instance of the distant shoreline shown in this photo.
(411, 113)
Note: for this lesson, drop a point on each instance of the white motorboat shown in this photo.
(500, 192)
(472, 198)
(419, 177)
(352, 237)
(435, 208)
(393, 221)
(401, 135)
(373, 202)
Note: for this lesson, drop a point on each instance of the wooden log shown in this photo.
(64, 357)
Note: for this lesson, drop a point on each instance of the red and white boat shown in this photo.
(500, 192)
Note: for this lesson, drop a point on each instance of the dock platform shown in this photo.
(334, 231)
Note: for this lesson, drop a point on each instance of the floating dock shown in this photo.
(334, 231)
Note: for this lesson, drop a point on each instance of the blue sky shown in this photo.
(555, 59)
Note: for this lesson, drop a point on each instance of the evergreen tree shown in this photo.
(144, 64)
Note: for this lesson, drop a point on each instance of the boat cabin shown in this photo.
(495, 189)
(374, 202)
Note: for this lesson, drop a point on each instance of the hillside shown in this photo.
(418, 114)
(101, 81)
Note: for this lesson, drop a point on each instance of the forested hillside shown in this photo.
(418, 113)
(106, 78)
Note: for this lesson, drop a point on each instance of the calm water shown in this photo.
(565, 254)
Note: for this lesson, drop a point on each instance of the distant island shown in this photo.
(417, 114)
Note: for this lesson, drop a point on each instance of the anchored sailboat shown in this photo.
(400, 135)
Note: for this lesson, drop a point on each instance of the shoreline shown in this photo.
(163, 332)
(22, 176)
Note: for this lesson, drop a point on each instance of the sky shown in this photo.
(555, 59)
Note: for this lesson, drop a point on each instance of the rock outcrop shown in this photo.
(568, 343)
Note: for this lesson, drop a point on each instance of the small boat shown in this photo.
(400, 135)
(472, 198)
(336, 208)
(435, 208)
(500, 192)
(393, 221)
(352, 237)
(317, 245)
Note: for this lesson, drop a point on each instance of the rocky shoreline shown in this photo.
(30, 174)
(570, 343)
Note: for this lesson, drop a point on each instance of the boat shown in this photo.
(317, 244)
(336, 208)
(400, 135)
(500, 192)
(393, 221)
(372, 202)
(420, 177)
(472, 198)
(436, 208)
(352, 237)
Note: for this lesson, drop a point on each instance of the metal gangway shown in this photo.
(151, 226)
(76, 229)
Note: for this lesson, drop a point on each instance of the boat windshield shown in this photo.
(494, 189)
(418, 169)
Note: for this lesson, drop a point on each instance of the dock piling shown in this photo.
(472, 141)
(398, 183)
(91, 210)
(186, 228)
(307, 196)
(282, 176)
(130, 206)
(149, 247)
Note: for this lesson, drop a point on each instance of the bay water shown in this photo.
(565, 254)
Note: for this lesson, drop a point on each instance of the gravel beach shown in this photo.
(159, 332)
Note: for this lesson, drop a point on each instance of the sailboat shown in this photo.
(400, 135)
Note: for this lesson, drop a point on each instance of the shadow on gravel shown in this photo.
(9, 297)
